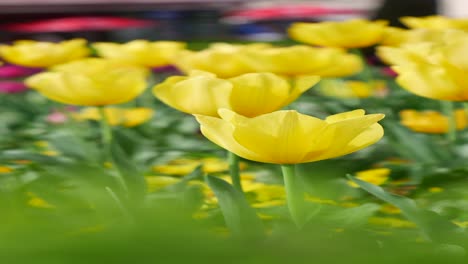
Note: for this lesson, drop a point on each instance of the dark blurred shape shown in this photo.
(392, 10)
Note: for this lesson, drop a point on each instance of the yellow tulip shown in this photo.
(288, 137)
(398, 36)
(224, 60)
(44, 54)
(38, 202)
(5, 169)
(156, 183)
(435, 22)
(304, 60)
(352, 89)
(375, 176)
(433, 70)
(250, 94)
(431, 121)
(357, 33)
(118, 116)
(391, 222)
(141, 52)
(184, 166)
(91, 82)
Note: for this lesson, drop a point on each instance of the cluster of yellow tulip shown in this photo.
(236, 92)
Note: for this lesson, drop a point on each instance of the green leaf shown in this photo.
(70, 145)
(133, 178)
(196, 174)
(240, 218)
(409, 144)
(18, 154)
(356, 216)
(434, 226)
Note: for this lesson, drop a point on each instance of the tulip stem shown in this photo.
(234, 171)
(465, 106)
(106, 132)
(294, 195)
(447, 109)
(106, 135)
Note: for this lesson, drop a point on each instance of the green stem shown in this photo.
(465, 106)
(106, 132)
(294, 195)
(447, 109)
(234, 171)
(119, 204)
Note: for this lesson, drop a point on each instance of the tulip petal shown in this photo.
(63, 87)
(201, 94)
(282, 137)
(348, 130)
(366, 138)
(430, 81)
(349, 34)
(44, 54)
(258, 93)
(101, 83)
(345, 116)
(141, 52)
(221, 132)
(300, 85)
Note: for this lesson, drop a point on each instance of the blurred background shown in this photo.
(194, 20)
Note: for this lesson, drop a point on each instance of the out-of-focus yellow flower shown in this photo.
(432, 70)
(248, 180)
(91, 82)
(155, 183)
(397, 36)
(38, 202)
(117, 116)
(224, 60)
(462, 224)
(50, 153)
(391, 222)
(435, 189)
(184, 166)
(394, 36)
(260, 194)
(267, 204)
(357, 33)
(318, 200)
(41, 144)
(435, 22)
(432, 121)
(5, 169)
(304, 60)
(44, 54)
(288, 137)
(389, 209)
(250, 94)
(375, 176)
(352, 89)
(141, 52)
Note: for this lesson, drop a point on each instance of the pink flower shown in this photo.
(167, 69)
(15, 71)
(56, 118)
(387, 71)
(12, 87)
